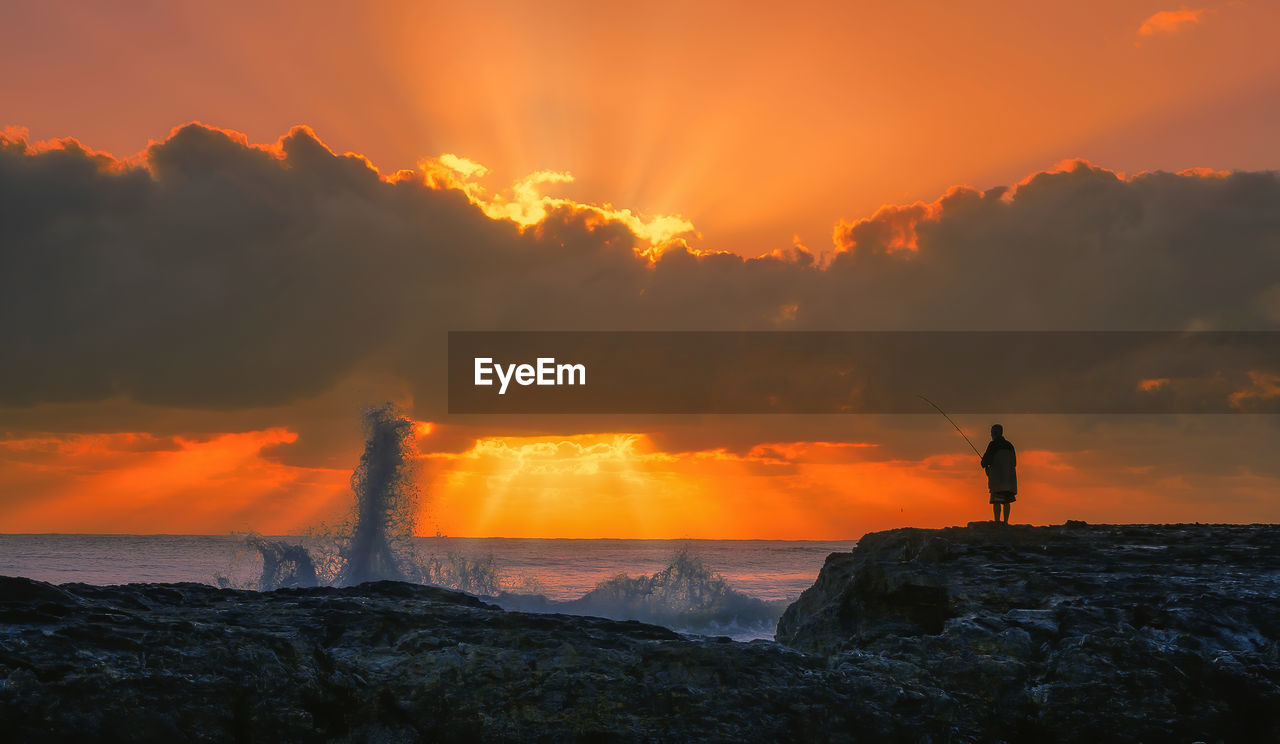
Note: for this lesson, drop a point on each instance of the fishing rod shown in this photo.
(948, 418)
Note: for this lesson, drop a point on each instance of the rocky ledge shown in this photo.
(1076, 632)
(982, 633)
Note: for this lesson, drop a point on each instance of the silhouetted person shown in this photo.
(1001, 464)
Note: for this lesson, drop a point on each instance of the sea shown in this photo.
(561, 571)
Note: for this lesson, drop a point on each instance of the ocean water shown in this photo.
(561, 571)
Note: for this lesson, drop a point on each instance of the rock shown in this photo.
(983, 633)
(1079, 632)
(392, 661)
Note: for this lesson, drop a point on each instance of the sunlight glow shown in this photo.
(525, 204)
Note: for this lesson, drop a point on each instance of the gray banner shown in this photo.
(636, 372)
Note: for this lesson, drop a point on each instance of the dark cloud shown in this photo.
(1081, 249)
(220, 276)
(228, 276)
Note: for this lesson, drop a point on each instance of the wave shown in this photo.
(283, 565)
(687, 596)
(386, 498)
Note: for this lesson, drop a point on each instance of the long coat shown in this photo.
(1001, 464)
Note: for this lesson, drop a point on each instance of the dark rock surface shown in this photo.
(965, 634)
(391, 662)
(1080, 632)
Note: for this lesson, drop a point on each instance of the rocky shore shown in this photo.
(1077, 632)
(981, 633)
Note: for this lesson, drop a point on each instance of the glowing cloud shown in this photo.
(891, 229)
(525, 204)
(1171, 21)
(1263, 386)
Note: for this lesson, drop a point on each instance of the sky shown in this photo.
(226, 230)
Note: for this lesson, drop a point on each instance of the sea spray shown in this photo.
(386, 500)
(687, 596)
(462, 572)
(375, 544)
(264, 563)
(283, 565)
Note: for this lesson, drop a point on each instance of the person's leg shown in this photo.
(1006, 513)
(995, 512)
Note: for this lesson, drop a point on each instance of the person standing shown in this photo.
(1001, 463)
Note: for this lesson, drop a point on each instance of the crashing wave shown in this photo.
(376, 544)
(283, 565)
(687, 596)
(386, 500)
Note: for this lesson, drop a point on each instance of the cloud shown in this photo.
(214, 274)
(892, 228)
(525, 204)
(1171, 21)
(1262, 386)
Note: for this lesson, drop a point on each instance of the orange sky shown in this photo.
(617, 485)
(760, 125)
(828, 110)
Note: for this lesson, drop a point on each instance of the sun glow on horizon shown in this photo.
(595, 485)
(621, 485)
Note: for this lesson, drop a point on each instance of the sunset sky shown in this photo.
(227, 229)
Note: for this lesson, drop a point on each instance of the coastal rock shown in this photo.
(1071, 633)
(1078, 632)
(398, 662)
